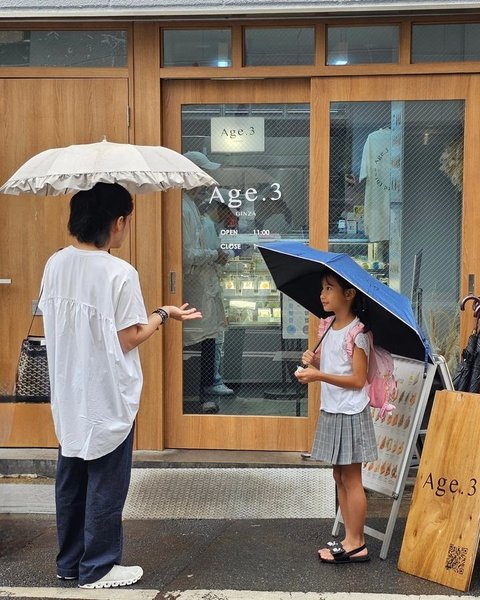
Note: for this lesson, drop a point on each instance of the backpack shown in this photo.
(382, 385)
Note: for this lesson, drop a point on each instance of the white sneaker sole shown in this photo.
(110, 584)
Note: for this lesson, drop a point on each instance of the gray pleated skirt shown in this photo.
(345, 439)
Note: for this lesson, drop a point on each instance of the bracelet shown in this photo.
(162, 313)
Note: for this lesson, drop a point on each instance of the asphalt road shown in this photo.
(182, 556)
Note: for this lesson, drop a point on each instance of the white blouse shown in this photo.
(88, 296)
(334, 360)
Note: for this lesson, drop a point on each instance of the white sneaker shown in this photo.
(218, 390)
(117, 576)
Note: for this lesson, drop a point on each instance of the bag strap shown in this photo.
(36, 307)
(351, 335)
(35, 312)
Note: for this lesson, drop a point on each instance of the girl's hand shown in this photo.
(182, 313)
(307, 375)
(309, 358)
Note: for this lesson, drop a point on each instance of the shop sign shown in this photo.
(443, 527)
(237, 134)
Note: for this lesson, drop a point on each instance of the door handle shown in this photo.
(173, 282)
(5, 281)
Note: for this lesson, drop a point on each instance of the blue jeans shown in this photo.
(90, 495)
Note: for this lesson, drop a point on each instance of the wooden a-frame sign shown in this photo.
(443, 526)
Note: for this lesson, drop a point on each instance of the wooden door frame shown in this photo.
(216, 431)
(258, 431)
(407, 87)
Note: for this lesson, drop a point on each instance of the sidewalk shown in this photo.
(219, 554)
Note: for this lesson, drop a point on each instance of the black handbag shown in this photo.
(32, 383)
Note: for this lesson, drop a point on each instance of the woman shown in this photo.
(95, 319)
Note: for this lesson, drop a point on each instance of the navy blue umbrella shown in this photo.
(297, 268)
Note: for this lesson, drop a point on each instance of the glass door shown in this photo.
(402, 189)
(238, 361)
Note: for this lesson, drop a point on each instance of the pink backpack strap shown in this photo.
(324, 325)
(352, 334)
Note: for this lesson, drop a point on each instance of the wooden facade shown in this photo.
(49, 107)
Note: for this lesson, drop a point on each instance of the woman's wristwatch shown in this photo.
(162, 313)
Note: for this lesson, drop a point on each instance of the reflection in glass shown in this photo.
(197, 48)
(241, 361)
(362, 45)
(396, 177)
(443, 43)
(279, 46)
(63, 48)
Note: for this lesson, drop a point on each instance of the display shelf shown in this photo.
(249, 294)
(371, 256)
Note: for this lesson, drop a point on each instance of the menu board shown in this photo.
(395, 434)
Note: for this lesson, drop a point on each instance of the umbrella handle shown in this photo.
(317, 345)
(476, 302)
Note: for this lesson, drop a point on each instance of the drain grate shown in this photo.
(230, 493)
(204, 493)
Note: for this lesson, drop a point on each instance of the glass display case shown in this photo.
(249, 293)
(372, 256)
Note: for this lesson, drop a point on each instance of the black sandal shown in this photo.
(341, 556)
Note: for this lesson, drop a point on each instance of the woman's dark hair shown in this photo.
(359, 306)
(93, 212)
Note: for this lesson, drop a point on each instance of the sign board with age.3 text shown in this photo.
(443, 526)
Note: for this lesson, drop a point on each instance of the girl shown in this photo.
(94, 319)
(345, 436)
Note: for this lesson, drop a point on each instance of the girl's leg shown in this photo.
(353, 504)
(357, 506)
(342, 502)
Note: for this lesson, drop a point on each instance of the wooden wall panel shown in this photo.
(42, 114)
(148, 231)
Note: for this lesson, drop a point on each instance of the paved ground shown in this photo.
(217, 558)
(263, 555)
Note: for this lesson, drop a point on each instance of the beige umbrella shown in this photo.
(140, 169)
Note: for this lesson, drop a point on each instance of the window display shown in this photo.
(396, 171)
(259, 154)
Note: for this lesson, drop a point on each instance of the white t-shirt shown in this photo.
(88, 296)
(334, 360)
(376, 168)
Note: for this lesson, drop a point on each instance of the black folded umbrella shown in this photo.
(467, 374)
(474, 384)
(463, 374)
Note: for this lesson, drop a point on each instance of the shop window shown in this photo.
(396, 178)
(362, 45)
(240, 358)
(279, 46)
(197, 48)
(445, 43)
(63, 48)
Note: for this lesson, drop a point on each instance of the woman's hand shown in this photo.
(133, 336)
(182, 313)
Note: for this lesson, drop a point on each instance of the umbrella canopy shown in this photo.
(140, 169)
(297, 268)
